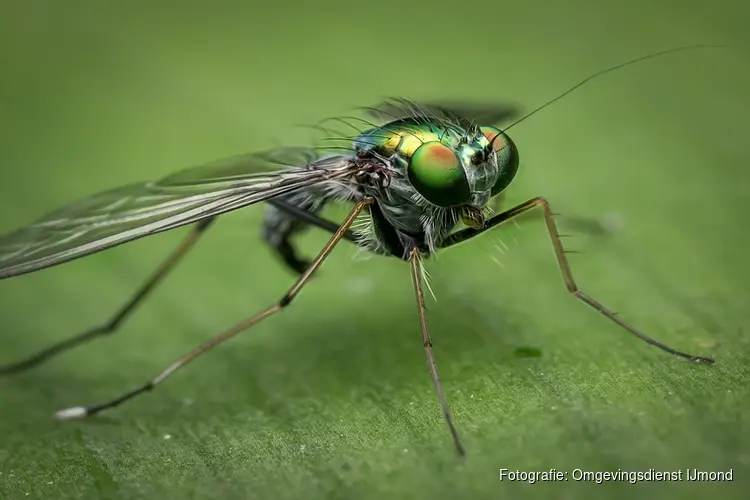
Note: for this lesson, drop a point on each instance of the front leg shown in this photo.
(586, 225)
(562, 262)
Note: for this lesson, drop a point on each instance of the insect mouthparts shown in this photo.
(472, 217)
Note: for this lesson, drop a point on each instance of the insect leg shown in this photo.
(311, 218)
(80, 411)
(289, 216)
(278, 229)
(416, 275)
(562, 262)
(121, 315)
(585, 225)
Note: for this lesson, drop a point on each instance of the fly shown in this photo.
(412, 180)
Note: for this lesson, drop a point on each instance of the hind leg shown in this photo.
(114, 322)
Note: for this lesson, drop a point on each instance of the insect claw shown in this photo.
(71, 413)
(703, 360)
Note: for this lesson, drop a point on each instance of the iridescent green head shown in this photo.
(466, 175)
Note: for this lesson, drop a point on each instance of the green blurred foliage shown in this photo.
(332, 398)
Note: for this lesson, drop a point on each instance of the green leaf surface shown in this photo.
(332, 398)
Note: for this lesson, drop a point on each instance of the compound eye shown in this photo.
(507, 157)
(435, 171)
(492, 133)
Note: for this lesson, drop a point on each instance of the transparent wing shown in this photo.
(464, 113)
(123, 214)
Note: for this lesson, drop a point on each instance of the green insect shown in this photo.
(412, 180)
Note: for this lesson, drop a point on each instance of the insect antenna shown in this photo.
(608, 70)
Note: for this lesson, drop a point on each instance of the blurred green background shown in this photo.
(332, 398)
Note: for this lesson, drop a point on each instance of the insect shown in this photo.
(412, 179)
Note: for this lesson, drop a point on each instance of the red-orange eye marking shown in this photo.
(441, 155)
(436, 173)
(491, 134)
